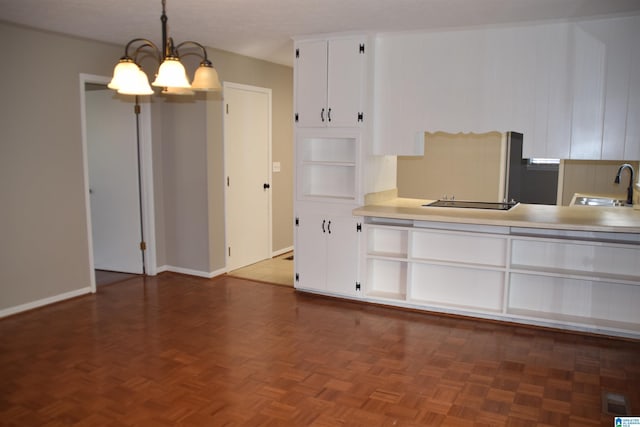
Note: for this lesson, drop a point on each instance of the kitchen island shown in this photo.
(573, 267)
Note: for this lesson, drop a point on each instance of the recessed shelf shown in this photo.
(328, 149)
(395, 296)
(576, 274)
(454, 286)
(327, 168)
(581, 298)
(466, 248)
(576, 320)
(387, 242)
(386, 277)
(387, 255)
(452, 306)
(595, 259)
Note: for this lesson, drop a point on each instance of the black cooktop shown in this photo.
(496, 206)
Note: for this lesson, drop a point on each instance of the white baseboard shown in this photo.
(190, 272)
(281, 251)
(45, 301)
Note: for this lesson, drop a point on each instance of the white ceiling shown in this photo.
(263, 28)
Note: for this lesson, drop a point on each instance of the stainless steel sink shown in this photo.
(496, 206)
(598, 201)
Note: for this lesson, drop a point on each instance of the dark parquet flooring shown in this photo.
(175, 350)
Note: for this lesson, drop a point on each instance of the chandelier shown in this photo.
(130, 79)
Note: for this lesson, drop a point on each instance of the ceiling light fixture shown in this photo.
(130, 79)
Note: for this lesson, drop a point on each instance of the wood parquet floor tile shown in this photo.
(175, 350)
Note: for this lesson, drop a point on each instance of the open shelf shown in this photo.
(392, 296)
(459, 287)
(327, 168)
(386, 279)
(387, 242)
(328, 180)
(603, 324)
(328, 149)
(576, 274)
(458, 247)
(555, 297)
(595, 259)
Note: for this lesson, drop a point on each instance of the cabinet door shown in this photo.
(311, 83)
(588, 95)
(632, 138)
(342, 255)
(603, 94)
(311, 252)
(550, 134)
(345, 81)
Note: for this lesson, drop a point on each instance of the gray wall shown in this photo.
(188, 146)
(43, 232)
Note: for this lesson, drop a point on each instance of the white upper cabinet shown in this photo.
(571, 88)
(330, 82)
(502, 79)
(605, 93)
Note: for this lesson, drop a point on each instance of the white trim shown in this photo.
(46, 301)
(268, 92)
(85, 78)
(281, 251)
(190, 272)
(146, 173)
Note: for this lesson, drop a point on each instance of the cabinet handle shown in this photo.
(322, 115)
(329, 114)
(323, 222)
(329, 227)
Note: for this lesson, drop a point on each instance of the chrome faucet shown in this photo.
(630, 189)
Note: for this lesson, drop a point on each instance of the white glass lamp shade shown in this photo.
(137, 84)
(206, 79)
(172, 74)
(125, 70)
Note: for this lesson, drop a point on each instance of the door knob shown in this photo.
(266, 185)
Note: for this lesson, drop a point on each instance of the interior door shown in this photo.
(112, 153)
(247, 127)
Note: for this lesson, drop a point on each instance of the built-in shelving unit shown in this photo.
(584, 282)
(327, 168)
(387, 262)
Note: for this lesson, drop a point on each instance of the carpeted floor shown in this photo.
(277, 270)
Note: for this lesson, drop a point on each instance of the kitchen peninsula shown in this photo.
(571, 267)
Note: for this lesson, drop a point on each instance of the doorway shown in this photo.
(247, 148)
(117, 162)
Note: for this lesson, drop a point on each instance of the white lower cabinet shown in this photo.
(326, 256)
(585, 282)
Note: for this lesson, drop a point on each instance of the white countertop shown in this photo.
(584, 218)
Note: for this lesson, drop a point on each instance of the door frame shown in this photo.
(146, 177)
(268, 92)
